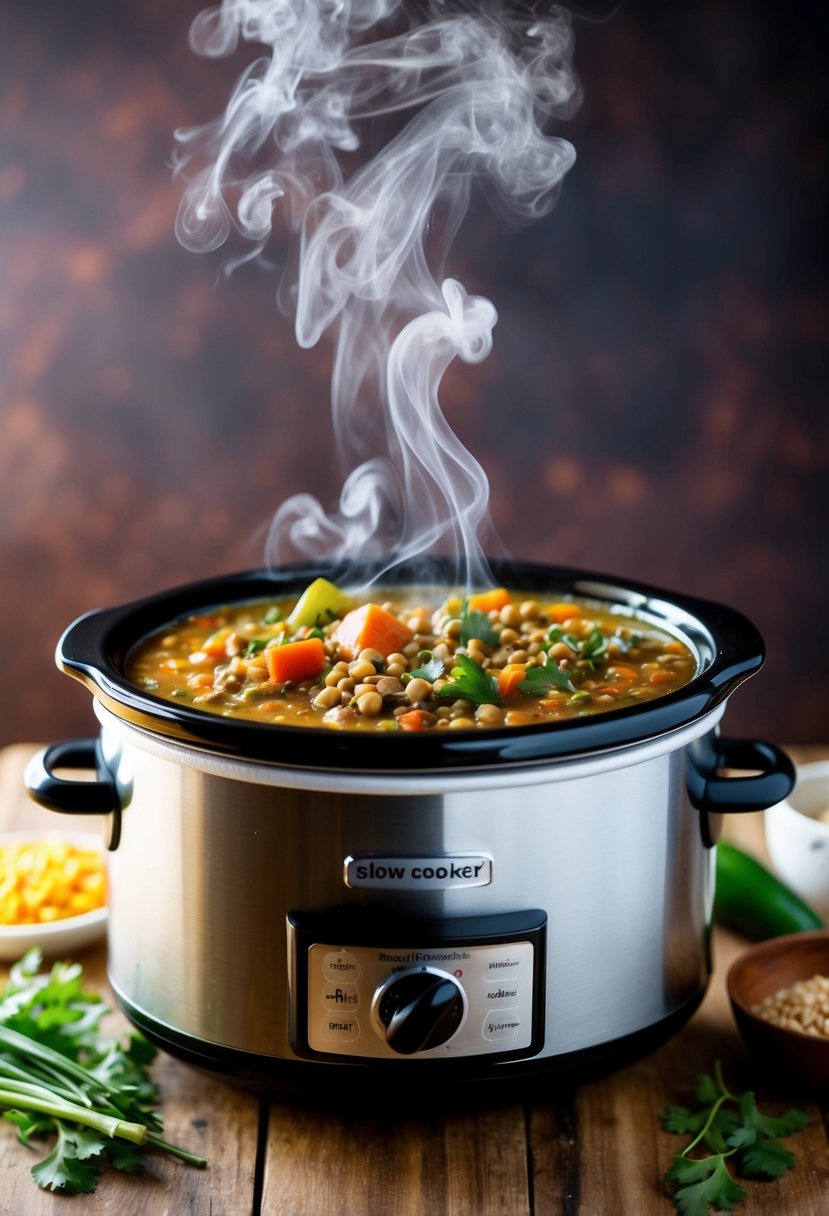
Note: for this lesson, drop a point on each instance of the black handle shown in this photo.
(772, 777)
(99, 797)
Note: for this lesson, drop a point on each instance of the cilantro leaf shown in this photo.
(431, 670)
(29, 1124)
(477, 625)
(61, 1170)
(766, 1159)
(707, 1089)
(735, 1131)
(540, 680)
(87, 1089)
(703, 1184)
(471, 683)
(771, 1125)
(85, 1144)
(591, 648)
(126, 1157)
(681, 1120)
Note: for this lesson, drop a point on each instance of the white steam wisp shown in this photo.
(482, 82)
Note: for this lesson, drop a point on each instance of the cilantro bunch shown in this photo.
(737, 1134)
(59, 1076)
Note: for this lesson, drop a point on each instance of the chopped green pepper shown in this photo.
(321, 601)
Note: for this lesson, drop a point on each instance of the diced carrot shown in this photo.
(489, 601)
(371, 628)
(563, 611)
(296, 661)
(623, 673)
(662, 677)
(675, 648)
(510, 677)
(412, 720)
(215, 644)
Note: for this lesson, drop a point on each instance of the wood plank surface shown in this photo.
(320, 1162)
(593, 1150)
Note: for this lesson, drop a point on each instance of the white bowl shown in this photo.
(58, 937)
(798, 842)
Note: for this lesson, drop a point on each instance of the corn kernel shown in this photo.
(49, 880)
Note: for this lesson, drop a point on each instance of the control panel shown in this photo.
(365, 987)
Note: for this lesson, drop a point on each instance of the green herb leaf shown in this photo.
(681, 1120)
(735, 1131)
(591, 648)
(771, 1125)
(471, 683)
(477, 625)
(431, 670)
(540, 680)
(254, 647)
(28, 1124)
(60, 1076)
(126, 1157)
(62, 1170)
(707, 1089)
(704, 1184)
(766, 1159)
(272, 617)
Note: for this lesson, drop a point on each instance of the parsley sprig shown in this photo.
(471, 683)
(477, 625)
(540, 680)
(59, 1076)
(591, 648)
(736, 1133)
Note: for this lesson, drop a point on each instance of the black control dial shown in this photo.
(419, 1008)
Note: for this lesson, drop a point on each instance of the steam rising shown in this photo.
(482, 82)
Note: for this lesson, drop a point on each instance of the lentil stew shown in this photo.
(411, 661)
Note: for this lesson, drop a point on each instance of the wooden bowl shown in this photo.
(761, 972)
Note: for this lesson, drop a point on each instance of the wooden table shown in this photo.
(594, 1150)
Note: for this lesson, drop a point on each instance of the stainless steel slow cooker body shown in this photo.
(287, 904)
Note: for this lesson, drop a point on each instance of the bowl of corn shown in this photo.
(53, 892)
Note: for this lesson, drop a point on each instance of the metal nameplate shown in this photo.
(441, 872)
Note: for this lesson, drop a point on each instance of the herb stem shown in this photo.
(24, 1046)
(725, 1096)
(60, 1109)
(176, 1151)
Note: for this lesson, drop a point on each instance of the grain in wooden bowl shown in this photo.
(777, 980)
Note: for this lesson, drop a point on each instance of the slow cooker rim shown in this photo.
(94, 650)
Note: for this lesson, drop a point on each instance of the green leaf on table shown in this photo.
(62, 1170)
(704, 1184)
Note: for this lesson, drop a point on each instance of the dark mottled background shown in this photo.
(654, 407)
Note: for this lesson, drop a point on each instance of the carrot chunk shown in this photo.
(489, 601)
(510, 677)
(412, 720)
(296, 661)
(563, 611)
(371, 628)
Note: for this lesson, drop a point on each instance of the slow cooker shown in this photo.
(301, 907)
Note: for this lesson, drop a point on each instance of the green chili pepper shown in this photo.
(751, 900)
